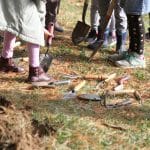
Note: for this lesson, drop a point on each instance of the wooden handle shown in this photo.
(95, 77)
(130, 91)
(112, 76)
(79, 86)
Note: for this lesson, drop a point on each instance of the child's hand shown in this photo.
(48, 36)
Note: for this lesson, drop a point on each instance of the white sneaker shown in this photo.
(132, 60)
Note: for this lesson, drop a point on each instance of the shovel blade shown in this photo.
(69, 96)
(45, 61)
(92, 97)
(80, 32)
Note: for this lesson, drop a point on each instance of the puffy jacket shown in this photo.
(136, 7)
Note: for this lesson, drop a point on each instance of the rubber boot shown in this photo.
(58, 28)
(121, 40)
(106, 35)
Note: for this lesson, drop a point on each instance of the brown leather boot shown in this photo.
(7, 65)
(36, 74)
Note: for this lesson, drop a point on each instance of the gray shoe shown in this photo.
(96, 45)
(116, 57)
(92, 36)
(133, 60)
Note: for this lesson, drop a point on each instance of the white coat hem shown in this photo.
(22, 36)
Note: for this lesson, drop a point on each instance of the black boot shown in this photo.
(121, 39)
(92, 36)
(58, 28)
(97, 44)
(7, 65)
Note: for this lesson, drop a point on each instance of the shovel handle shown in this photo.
(51, 31)
(95, 77)
(86, 2)
(130, 91)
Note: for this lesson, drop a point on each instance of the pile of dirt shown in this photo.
(16, 129)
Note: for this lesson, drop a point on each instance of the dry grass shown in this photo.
(75, 124)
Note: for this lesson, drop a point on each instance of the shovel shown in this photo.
(46, 59)
(81, 29)
(91, 97)
(104, 25)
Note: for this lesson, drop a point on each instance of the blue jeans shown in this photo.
(136, 7)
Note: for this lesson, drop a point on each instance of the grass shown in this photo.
(81, 125)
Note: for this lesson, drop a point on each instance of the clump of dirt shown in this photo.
(16, 129)
(43, 129)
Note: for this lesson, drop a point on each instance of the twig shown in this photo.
(114, 127)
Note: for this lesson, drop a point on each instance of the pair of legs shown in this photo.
(94, 20)
(6, 64)
(134, 57)
(120, 22)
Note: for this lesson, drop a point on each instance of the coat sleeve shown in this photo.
(41, 7)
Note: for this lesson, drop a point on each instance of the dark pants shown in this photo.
(52, 8)
(136, 33)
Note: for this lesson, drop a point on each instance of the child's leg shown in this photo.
(94, 15)
(9, 43)
(6, 62)
(112, 26)
(36, 73)
(51, 12)
(135, 57)
(34, 51)
(94, 20)
(136, 33)
(121, 27)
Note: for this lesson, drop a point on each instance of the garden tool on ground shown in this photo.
(51, 84)
(102, 99)
(121, 82)
(73, 93)
(110, 77)
(91, 97)
(86, 77)
(135, 93)
(81, 29)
